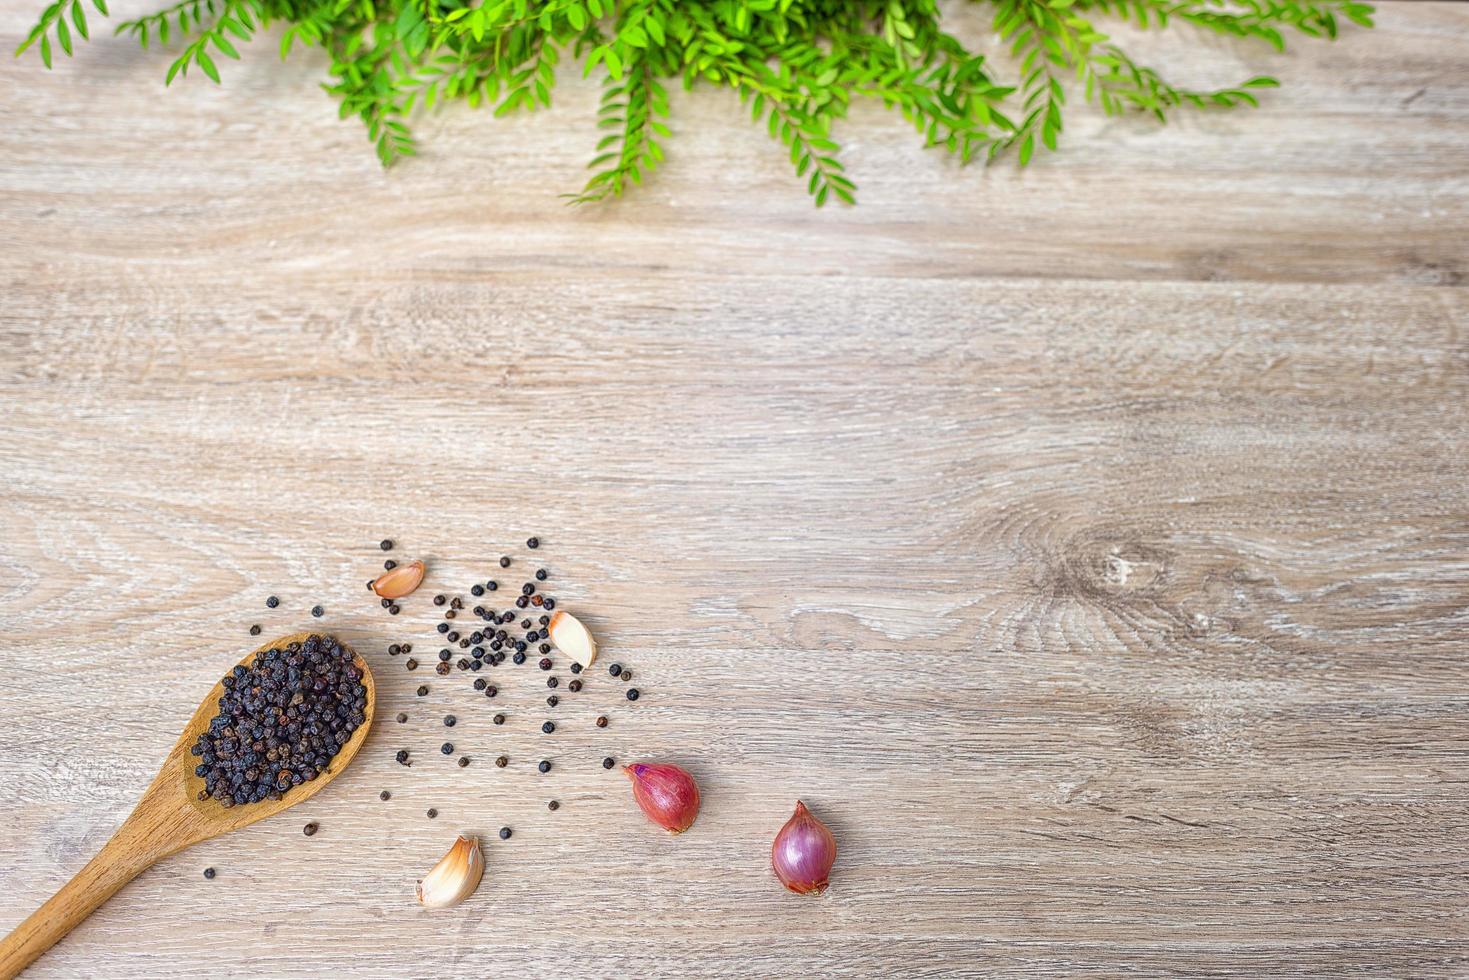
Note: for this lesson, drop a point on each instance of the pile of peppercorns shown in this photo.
(280, 721)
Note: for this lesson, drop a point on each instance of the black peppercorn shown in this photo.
(385, 795)
(632, 694)
(389, 565)
(310, 829)
(504, 561)
(574, 686)
(394, 649)
(553, 700)
(546, 648)
(449, 722)
(608, 762)
(452, 637)
(463, 761)
(393, 609)
(519, 658)
(615, 669)
(552, 682)
(402, 757)
(385, 603)
(545, 663)
(411, 664)
(445, 654)
(626, 674)
(422, 690)
(209, 873)
(408, 648)
(491, 585)
(462, 664)
(449, 614)
(532, 636)
(545, 620)
(317, 611)
(601, 721)
(544, 766)
(522, 602)
(271, 602)
(548, 727)
(532, 543)
(432, 813)
(386, 544)
(442, 627)
(504, 833)
(491, 691)
(447, 748)
(439, 600)
(527, 589)
(499, 719)
(255, 630)
(442, 669)
(541, 574)
(476, 590)
(502, 762)
(552, 805)
(479, 683)
(402, 717)
(575, 667)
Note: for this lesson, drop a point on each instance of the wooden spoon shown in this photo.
(166, 820)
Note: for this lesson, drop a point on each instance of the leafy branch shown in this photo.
(797, 64)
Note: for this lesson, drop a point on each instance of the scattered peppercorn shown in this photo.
(389, 565)
(499, 719)
(385, 603)
(615, 669)
(479, 683)
(447, 748)
(632, 694)
(393, 609)
(532, 543)
(519, 657)
(255, 630)
(546, 648)
(449, 614)
(271, 602)
(462, 664)
(601, 721)
(552, 682)
(504, 833)
(411, 664)
(209, 873)
(626, 674)
(522, 602)
(408, 648)
(476, 590)
(527, 589)
(432, 813)
(544, 766)
(385, 795)
(441, 669)
(491, 690)
(422, 690)
(552, 805)
(536, 600)
(575, 667)
(442, 627)
(549, 603)
(504, 561)
(451, 636)
(449, 722)
(545, 663)
(574, 686)
(491, 585)
(310, 829)
(548, 727)
(553, 700)
(385, 544)
(394, 649)
(502, 762)
(608, 762)
(402, 717)
(541, 574)
(317, 611)
(463, 761)
(402, 757)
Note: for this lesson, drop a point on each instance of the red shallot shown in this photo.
(803, 853)
(666, 793)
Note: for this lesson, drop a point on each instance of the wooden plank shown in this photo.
(1097, 570)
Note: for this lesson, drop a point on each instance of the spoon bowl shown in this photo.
(169, 817)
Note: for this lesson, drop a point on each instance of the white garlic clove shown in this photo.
(572, 638)
(455, 877)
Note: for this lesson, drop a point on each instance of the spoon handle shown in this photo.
(134, 848)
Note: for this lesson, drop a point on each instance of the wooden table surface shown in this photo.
(1088, 546)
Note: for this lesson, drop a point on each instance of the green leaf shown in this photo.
(1027, 147)
(206, 64)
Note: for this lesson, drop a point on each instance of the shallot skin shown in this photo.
(667, 794)
(803, 853)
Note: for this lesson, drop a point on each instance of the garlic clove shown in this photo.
(455, 877)
(572, 638)
(395, 583)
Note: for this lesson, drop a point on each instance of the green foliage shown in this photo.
(797, 64)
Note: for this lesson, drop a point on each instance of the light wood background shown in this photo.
(1088, 547)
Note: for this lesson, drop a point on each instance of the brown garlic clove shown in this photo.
(398, 582)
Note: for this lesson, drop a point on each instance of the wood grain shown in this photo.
(1088, 547)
